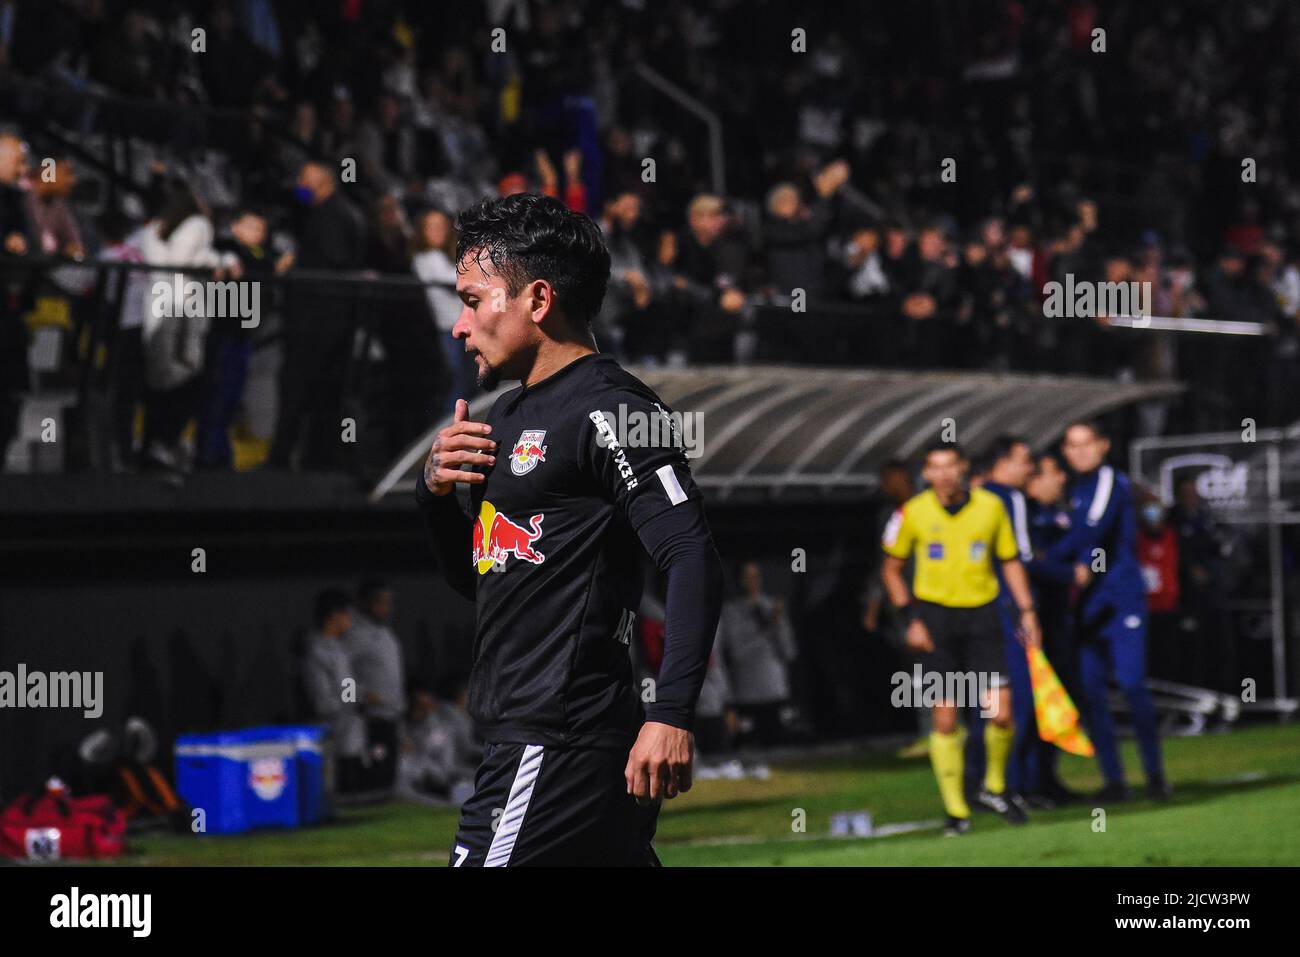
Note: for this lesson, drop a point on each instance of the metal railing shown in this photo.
(77, 317)
(375, 307)
(717, 157)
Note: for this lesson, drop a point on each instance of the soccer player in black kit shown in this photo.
(561, 509)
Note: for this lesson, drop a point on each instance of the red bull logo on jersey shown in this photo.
(496, 538)
(528, 451)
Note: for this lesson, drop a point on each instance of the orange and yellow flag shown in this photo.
(1058, 718)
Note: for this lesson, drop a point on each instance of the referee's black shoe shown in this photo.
(955, 826)
(1158, 789)
(1059, 794)
(1115, 792)
(1012, 811)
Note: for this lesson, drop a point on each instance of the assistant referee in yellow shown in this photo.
(954, 534)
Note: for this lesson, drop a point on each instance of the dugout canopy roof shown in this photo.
(793, 432)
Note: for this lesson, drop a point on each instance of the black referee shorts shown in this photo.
(965, 639)
(557, 807)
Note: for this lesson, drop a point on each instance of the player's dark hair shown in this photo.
(417, 686)
(369, 590)
(939, 446)
(328, 603)
(998, 450)
(1050, 454)
(449, 687)
(179, 203)
(1145, 495)
(894, 465)
(1097, 428)
(528, 236)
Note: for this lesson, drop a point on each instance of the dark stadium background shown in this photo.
(95, 552)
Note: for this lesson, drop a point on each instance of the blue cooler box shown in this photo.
(241, 779)
(309, 748)
(209, 776)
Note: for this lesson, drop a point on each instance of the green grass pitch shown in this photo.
(1236, 802)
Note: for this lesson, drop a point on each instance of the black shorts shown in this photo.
(559, 807)
(965, 639)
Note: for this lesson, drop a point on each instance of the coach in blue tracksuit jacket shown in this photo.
(1112, 610)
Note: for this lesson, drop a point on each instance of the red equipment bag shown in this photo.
(56, 826)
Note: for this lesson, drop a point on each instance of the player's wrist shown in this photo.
(432, 489)
(671, 719)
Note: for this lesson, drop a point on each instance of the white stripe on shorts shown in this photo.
(512, 818)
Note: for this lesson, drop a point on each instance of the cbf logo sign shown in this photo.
(1221, 482)
(267, 778)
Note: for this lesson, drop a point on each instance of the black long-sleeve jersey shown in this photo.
(552, 558)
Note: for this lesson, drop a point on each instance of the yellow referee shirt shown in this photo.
(953, 553)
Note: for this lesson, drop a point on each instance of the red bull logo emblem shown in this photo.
(528, 451)
(267, 777)
(496, 538)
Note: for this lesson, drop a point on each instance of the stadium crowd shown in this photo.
(836, 194)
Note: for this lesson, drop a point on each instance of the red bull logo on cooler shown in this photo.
(496, 538)
(267, 777)
(528, 451)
